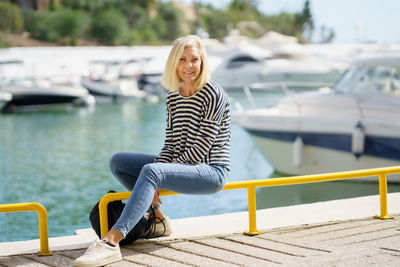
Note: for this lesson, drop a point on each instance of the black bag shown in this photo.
(114, 210)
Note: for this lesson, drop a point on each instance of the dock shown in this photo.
(332, 233)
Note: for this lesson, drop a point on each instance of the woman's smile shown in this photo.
(189, 67)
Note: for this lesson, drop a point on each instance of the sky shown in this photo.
(352, 20)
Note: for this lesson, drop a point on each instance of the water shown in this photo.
(60, 159)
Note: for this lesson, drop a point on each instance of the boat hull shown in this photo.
(36, 98)
(113, 89)
(315, 159)
(38, 102)
(4, 99)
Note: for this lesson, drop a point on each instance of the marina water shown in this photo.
(60, 159)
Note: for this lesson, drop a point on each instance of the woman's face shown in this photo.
(189, 67)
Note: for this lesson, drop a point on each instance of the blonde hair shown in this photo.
(170, 79)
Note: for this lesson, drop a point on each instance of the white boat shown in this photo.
(248, 64)
(239, 70)
(355, 125)
(27, 93)
(114, 79)
(151, 76)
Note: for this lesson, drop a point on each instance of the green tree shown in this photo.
(242, 10)
(63, 25)
(173, 18)
(42, 26)
(109, 26)
(11, 20)
(214, 21)
(71, 24)
(137, 11)
(243, 5)
(305, 23)
(92, 6)
(283, 23)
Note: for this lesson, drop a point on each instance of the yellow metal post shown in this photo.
(383, 198)
(103, 203)
(110, 197)
(251, 200)
(103, 215)
(42, 214)
(43, 228)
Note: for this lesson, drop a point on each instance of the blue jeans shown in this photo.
(139, 173)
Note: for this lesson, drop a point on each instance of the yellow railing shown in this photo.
(42, 214)
(251, 186)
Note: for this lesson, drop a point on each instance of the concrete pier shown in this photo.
(332, 233)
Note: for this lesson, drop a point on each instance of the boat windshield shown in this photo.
(379, 79)
(349, 77)
(241, 60)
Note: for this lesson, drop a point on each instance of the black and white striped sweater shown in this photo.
(198, 127)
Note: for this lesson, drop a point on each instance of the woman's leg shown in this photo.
(181, 178)
(126, 167)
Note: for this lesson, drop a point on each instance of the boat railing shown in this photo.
(251, 186)
(42, 214)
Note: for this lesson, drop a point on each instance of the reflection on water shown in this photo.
(60, 159)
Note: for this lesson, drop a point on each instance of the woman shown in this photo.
(195, 156)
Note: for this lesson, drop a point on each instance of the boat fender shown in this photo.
(298, 151)
(358, 140)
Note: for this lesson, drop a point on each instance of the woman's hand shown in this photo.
(156, 199)
(175, 161)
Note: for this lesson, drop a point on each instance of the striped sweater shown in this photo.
(198, 127)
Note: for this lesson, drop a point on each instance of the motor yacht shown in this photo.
(354, 125)
(249, 64)
(20, 92)
(151, 77)
(114, 79)
(27, 94)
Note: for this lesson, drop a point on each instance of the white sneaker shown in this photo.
(158, 229)
(98, 254)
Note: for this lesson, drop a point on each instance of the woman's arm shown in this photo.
(166, 154)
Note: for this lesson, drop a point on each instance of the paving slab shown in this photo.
(312, 247)
(177, 255)
(20, 261)
(147, 259)
(287, 249)
(216, 253)
(56, 260)
(125, 263)
(313, 232)
(259, 253)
